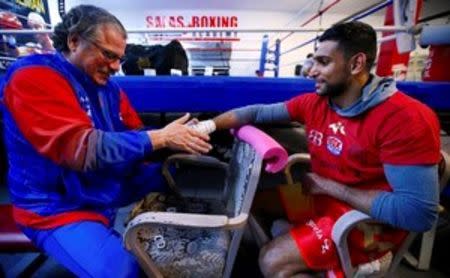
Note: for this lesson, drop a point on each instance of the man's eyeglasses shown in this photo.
(107, 54)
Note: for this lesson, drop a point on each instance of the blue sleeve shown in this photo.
(415, 198)
(116, 150)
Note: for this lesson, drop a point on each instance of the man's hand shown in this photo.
(357, 198)
(180, 137)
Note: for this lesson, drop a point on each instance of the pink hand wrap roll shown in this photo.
(273, 153)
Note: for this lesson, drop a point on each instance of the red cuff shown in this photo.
(33, 220)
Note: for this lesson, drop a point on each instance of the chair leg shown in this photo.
(260, 236)
(426, 250)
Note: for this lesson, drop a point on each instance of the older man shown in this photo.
(75, 148)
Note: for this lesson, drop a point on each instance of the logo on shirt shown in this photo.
(334, 145)
(315, 137)
(337, 127)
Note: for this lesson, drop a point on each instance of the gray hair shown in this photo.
(83, 20)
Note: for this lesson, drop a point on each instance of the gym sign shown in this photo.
(203, 21)
(194, 21)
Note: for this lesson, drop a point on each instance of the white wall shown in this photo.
(133, 17)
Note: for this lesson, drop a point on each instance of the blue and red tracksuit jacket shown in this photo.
(75, 151)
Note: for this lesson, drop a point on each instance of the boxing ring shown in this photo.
(159, 94)
(218, 94)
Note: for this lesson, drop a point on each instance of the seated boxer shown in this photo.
(372, 148)
(76, 147)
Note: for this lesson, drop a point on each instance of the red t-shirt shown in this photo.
(352, 150)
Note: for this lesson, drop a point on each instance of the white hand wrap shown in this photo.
(205, 127)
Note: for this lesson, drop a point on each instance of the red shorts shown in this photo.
(367, 242)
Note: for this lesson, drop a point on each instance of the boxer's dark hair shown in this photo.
(352, 38)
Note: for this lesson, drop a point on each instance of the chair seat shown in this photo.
(11, 238)
(185, 252)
